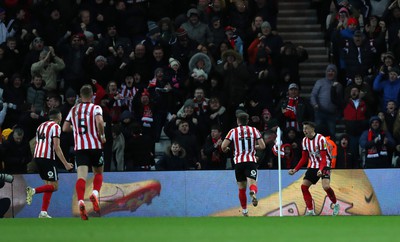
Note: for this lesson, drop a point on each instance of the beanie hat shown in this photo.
(100, 58)
(173, 62)
(181, 33)
(229, 28)
(153, 28)
(188, 103)
(265, 25)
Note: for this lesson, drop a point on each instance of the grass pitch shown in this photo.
(203, 229)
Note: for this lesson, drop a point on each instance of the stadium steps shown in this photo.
(298, 23)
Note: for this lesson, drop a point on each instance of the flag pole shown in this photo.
(279, 144)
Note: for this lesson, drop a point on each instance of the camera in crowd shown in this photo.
(6, 178)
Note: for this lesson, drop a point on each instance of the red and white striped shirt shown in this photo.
(314, 147)
(244, 140)
(45, 134)
(83, 120)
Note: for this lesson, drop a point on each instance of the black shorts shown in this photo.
(89, 158)
(47, 169)
(244, 170)
(311, 174)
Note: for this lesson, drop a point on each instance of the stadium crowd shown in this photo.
(185, 68)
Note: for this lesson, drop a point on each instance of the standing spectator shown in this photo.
(345, 158)
(35, 48)
(215, 159)
(36, 95)
(321, 100)
(73, 52)
(376, 144)
(15, 94)
(179, 130)
(47, 146)
(197, 30)
(245, 140)
(174, 158)
(48, 66)
(355, 117)
(358, 55)
(16, 152)
(89, 137)
(314, 152)
(236, 75)
(390, 87)
(366, 92)
(294, 109)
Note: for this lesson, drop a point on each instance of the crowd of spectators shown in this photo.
(184, 68)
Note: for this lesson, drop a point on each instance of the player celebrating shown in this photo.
(47, 143)
(88, 129)
(246, 140)
(314, 150)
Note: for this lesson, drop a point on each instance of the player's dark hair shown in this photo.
(86, 91)
(309, 123)
(53, 113)
(243, 118)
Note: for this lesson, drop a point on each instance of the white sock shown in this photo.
(245, 211)
(96, 193)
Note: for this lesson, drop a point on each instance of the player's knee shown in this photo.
(55, 187)
(326, 187)
(304, 188)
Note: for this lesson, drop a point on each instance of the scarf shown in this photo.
(379, 149)
(291, 108)
(215, 157)
(203, 104)
(147, 118)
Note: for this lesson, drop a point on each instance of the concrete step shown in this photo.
(308, 43)
(317, 58)
(298, 20)
(317, 74)
(313, 65)
(295, 12)
(293, 27)
(317, 50)
(305, 35)
(290, 5)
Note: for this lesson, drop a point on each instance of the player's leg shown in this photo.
(305, 189)
(331, 194)
(82, 172)
(97, 167)
(47, 189)
(242, 185)
(97, 183)
(251, 174)
(243, 197)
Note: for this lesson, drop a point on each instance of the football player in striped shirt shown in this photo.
(47, 146)
(315, 152)
(245, 140)
(87, 123)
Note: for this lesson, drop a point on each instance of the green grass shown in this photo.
(204, 229)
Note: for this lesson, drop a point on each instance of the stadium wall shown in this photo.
(210, 193)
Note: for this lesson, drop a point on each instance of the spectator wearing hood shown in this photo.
(197, 30)
(377, 144)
